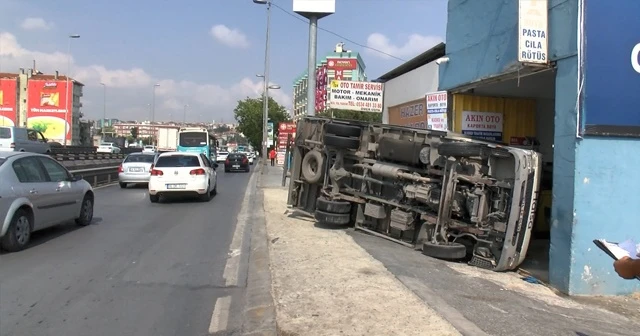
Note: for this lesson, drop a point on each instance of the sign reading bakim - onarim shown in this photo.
(356, 96)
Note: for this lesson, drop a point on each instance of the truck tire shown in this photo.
(342, 130)
(332, 218)
(460, 149)
(448, 251)
(336, 207)
(312, 166)
(341, 142)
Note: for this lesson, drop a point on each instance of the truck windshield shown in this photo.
(193, 139)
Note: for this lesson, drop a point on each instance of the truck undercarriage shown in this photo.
(448, 195)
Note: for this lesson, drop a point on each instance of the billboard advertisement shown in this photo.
(437, 103)
(410, 114)
(8, 102)
(356, 96)
(321, 88)
(340, 65)
(611, 96)
(284, 130)
(47, 105)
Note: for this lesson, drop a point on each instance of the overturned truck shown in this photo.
(448, 195)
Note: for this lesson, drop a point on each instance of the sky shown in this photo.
(202, 53)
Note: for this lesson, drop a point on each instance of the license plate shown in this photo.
(236, 166)
(136, 170)
(176, 186)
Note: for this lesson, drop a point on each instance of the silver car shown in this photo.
(136, 168)
(36, 192)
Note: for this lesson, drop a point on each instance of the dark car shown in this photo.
(236, 162)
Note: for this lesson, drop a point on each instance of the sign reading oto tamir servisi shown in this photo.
(356, 96)
(532, 31)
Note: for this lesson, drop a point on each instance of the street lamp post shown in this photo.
(153, 104)
(265, 77)
(69, 98)
(104, 106)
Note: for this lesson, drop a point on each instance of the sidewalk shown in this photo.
(344, 282)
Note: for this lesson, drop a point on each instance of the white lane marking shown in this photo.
(232, 268)
(220, 315)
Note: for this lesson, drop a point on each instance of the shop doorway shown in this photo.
(537, 89)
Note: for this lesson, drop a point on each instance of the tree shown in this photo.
(371, 117)
(221, 129)
(249, 115)
(134, 132)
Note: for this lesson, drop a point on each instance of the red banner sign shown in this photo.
(342, 63)
(8, 101)
(47, 108)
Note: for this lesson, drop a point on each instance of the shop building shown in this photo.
(561, 77)
(405, 88)
(340, 64)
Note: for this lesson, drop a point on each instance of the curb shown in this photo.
(260, 311)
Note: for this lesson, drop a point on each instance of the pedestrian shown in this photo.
(272, 156)
(627, 268)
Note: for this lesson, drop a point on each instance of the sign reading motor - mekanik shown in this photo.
(356, 96)
(533, 31)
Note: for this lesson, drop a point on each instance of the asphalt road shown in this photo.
(139, 269)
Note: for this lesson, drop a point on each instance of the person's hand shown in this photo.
(625, 268)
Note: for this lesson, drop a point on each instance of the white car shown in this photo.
(222, 156)
(183, 174)
(108, 147)
(36, 192)
(149, 149)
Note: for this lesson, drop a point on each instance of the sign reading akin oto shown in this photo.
(356, 96)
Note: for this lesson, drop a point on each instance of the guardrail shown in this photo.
(91, 160)
(88, 150)
(97, 176)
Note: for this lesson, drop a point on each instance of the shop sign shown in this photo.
(482, 125)
(533, 31)
(410, 114)
(47, 106)
(612, 68)
(8, 103)
(342, 63)
(356, 96)
(437, 110)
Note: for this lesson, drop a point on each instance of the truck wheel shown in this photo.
(336, 207)
(342, 130)
(460, 149)
(332, 218)
(312, 166)
(449, 251)
(341, 142)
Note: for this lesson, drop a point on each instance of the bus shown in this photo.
(199, 140)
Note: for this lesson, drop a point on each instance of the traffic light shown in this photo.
(134, 132)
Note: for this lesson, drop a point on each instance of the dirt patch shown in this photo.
(325, 284)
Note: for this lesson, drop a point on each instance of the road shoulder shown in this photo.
(325, 284)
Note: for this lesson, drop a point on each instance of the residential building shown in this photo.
(340, 64)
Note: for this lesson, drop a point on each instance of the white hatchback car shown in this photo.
(36, 192)
(183, 174)
(108, 147)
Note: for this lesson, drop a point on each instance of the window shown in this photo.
(5, 133)
(193, 139)
(29, 170)
(56, 172)
(141, 158)
(177, 161)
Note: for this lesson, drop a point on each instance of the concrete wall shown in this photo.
(410, 86)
